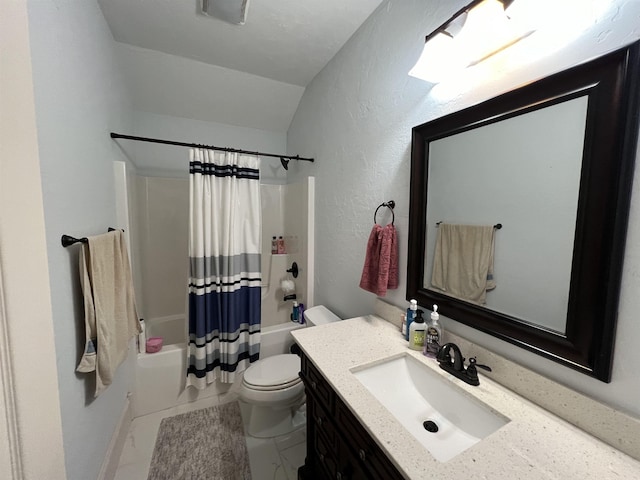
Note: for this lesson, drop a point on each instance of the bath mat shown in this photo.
(203, 444)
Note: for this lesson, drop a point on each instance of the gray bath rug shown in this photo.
(207, 444)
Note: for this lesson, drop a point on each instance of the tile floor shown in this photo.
(270, 459)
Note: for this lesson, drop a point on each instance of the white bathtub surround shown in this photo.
(287, 210)
(160, 220)
(172, 329)
(274, 309)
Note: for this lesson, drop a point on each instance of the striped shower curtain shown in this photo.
(224, 254)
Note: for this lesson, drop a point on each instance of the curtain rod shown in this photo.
(210, 147)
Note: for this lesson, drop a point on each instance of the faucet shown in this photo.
(455, 365)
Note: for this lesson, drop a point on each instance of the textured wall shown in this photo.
(356, 119)
(206, 92)
(79, 98)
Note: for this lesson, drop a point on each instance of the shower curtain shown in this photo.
(224, 255)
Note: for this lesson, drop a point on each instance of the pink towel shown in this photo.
(380, 270)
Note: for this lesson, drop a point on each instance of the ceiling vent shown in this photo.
(232, 11)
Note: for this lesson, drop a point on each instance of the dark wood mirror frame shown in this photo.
(612, 85)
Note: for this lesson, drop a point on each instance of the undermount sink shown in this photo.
(443, 417)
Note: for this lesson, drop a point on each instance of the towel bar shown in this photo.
(68, 240)
(497, 226)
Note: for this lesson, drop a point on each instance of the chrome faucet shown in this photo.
(455, 364)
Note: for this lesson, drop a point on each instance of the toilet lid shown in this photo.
(275, 370)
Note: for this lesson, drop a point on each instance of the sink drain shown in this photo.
(430, 426)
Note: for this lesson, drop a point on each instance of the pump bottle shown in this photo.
(433, 335)
(411, 314)
(416, 334)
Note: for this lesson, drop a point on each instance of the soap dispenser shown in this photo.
(433, 335)
(411, 315)
(417, 332)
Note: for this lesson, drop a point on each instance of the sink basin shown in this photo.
(443, 417)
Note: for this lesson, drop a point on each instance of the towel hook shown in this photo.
(390, 205)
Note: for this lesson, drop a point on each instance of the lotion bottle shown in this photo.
(433, 336)
(416, 333)
(411, 312)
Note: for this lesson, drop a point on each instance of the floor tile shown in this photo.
(294, 438)
(270, 459)
(264, 459)
(293, 458)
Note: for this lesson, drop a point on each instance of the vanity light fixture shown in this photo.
(473, 34)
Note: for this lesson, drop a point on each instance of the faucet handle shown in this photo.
(473, 363)
(472, 371)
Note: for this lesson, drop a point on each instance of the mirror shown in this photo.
(553, 163)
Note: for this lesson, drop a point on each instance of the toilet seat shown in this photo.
(273, 373)
(270, 388)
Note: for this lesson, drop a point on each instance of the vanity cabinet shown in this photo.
(338, 446)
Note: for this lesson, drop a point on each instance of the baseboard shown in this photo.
(116, 445)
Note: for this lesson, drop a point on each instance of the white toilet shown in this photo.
(275, 391)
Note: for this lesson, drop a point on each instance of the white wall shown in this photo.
(79, 98)
(30, 429)
(356, 119)
(206, 92)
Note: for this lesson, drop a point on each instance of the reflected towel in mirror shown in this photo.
(463, 261)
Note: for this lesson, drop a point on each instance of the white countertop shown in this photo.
(535, 444)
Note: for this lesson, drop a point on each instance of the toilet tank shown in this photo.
(319, 315)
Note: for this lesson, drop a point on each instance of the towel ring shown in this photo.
(390, 205)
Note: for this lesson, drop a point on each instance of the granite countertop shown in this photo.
(535, 444)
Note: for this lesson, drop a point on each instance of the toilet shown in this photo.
(274, 389)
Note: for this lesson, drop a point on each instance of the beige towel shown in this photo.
(111, 318)
(463, 261)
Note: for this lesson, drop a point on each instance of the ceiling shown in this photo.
(285, 40)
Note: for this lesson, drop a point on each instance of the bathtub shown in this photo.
(172, 329)
(160, 380)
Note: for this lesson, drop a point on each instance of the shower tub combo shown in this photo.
(160, 377)
(286, 209)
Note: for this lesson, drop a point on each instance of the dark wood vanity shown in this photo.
(338, 447)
